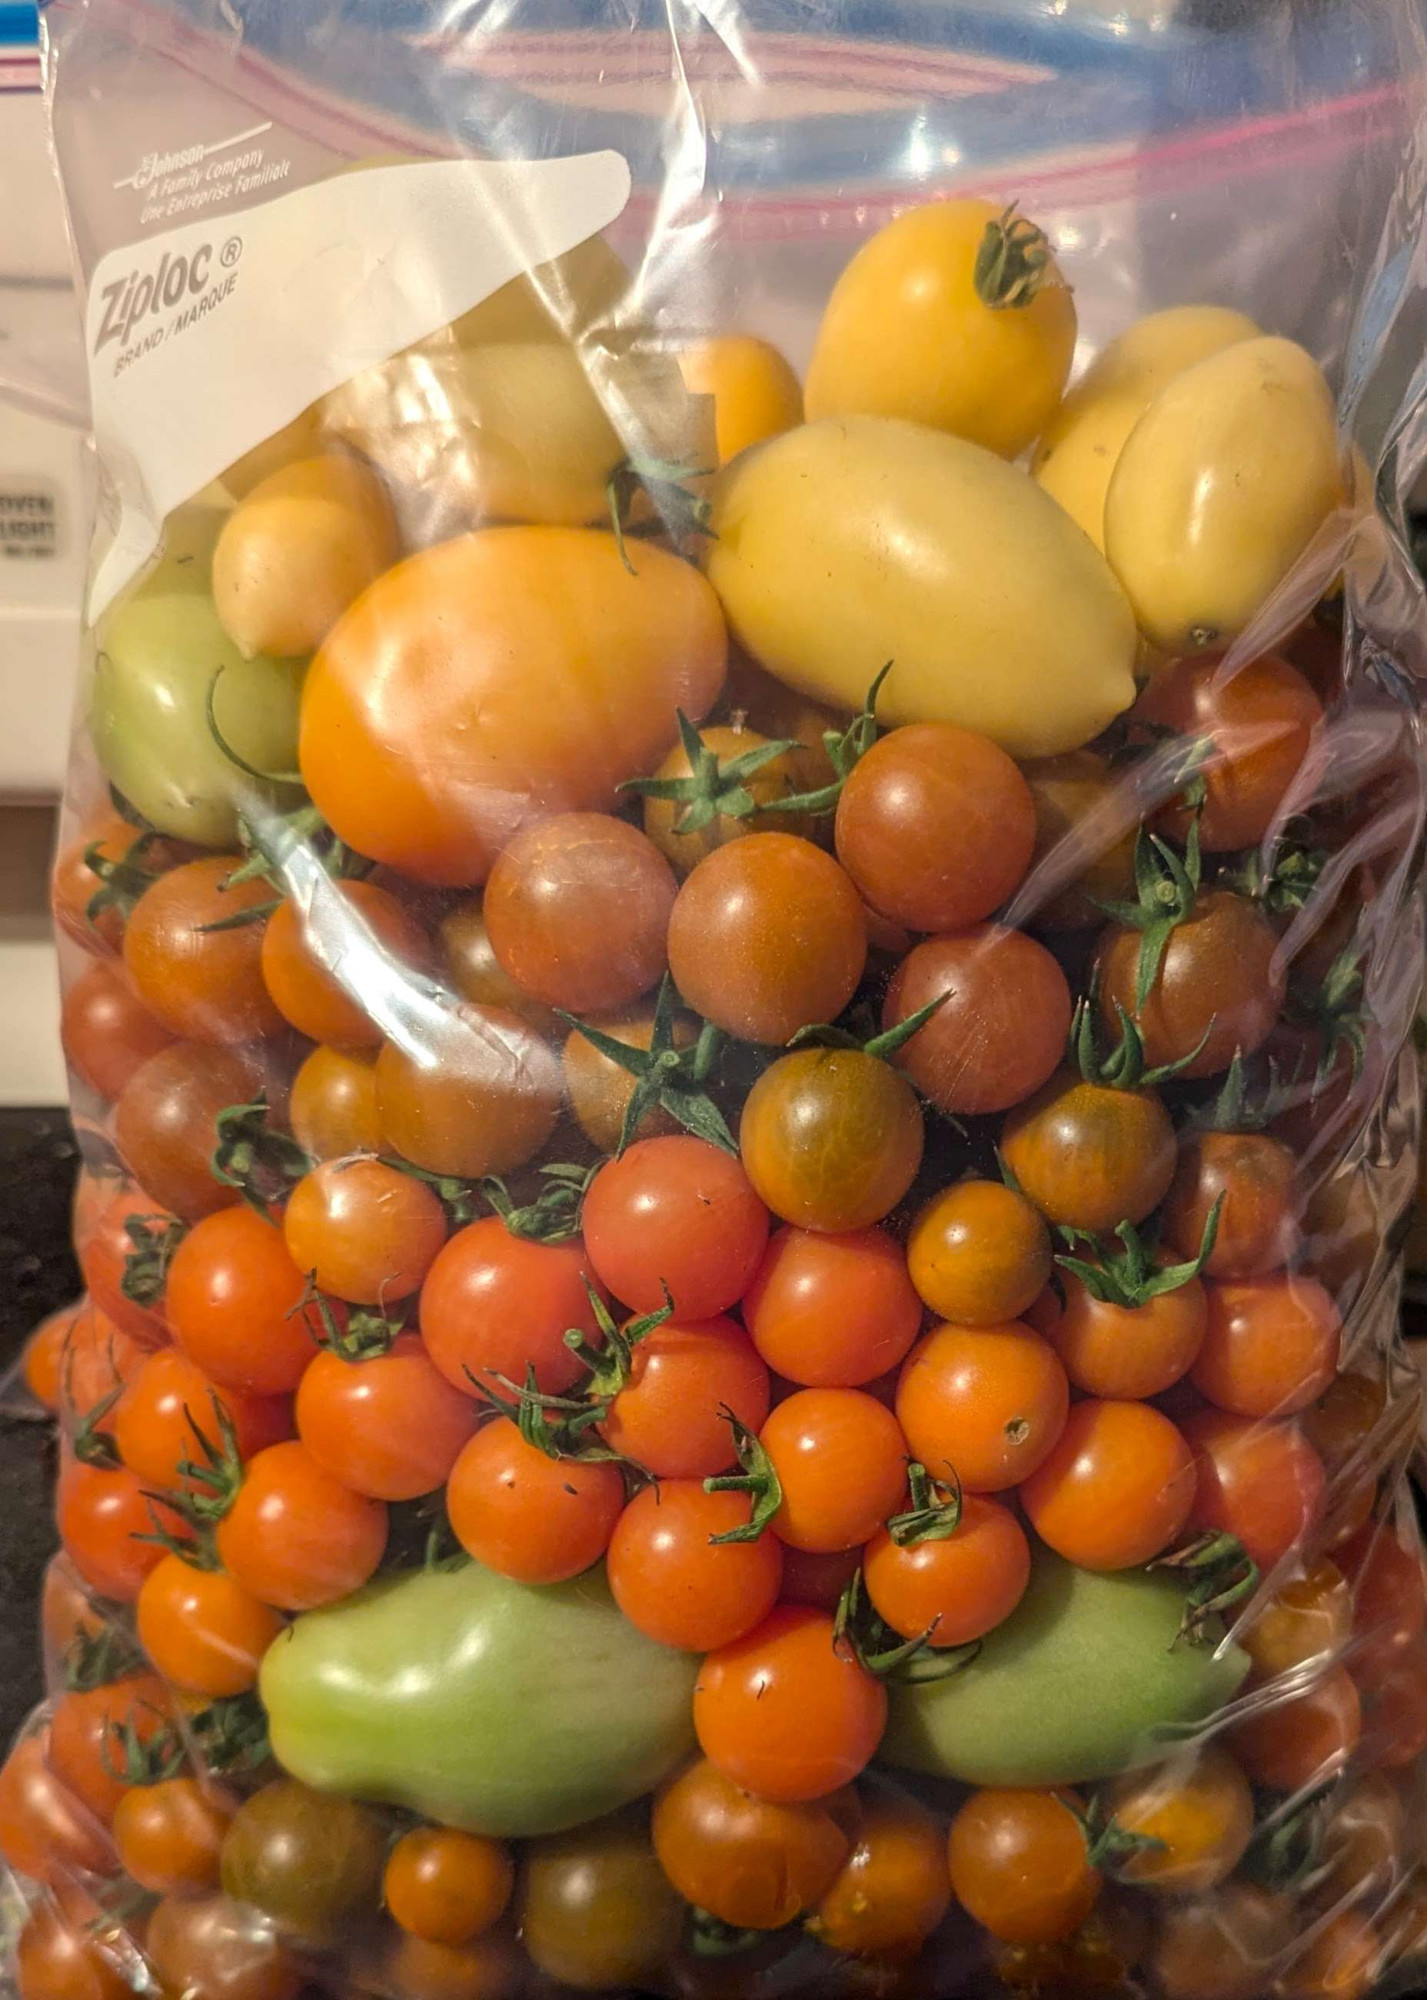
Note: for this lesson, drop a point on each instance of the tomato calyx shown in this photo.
(714, 788)
(95, 1659)
(666, 1078)
(1220, 1574)
(90, 1444)
(252, 1155)
(935, 1512)
(1282, 883)
(883, 1653)
(155, 1239)
(121, 882)
(711, 1937)
(209, 1484)
(554, 1214)
(358, 1334)
(683, 513)
(232, 1734)
(271, 846)
(1287, 1849)
(1108, 1845)
(141, 1760)
(827, 1035)
(1128, 1277)
(1242, 1104)
(843, 748)
(1166, 891)
(757, 1476)
(1338, 1010)
(611, 1361)
(1013, 261)
(1122, 1066)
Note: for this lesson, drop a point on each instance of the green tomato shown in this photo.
(305, 1860)
(158, 653)
(1073, 1687)
(596, 1909)
(497, 1706)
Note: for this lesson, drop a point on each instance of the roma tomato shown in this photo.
(1270, 1347)
(385, 1423)
(1262, 1482)
(1304, 1740)
(1216, 994)
(197, 973)
(107, 1032)
(169, 1835)
(1090, 1155)
(236, 1304)
(363, 1230)
(92, 1729)
(169, 1401)
(202, 1630)
(447, 1886)
(832, 1311)
(1252, 1177)
(497, 1305)
(333, 1104)
(1020, 1865)
(1196, 1814)
(293, 1537)
(954, 1587)
(831, 1138)
(755, 392)
(166, 1125)
(787, 1711)
(333, 959)
(214, 1948)
(679, 1584)
(1000, 1028)
(841, 1463)
(982, 1405)
(468, 1091)
(892, 1891)
(127, 1251)
(687, 1377)
(753, 1863)
(527, 1516)
(100, 1516)
(979, 1254)
(45, 1832)
(1115, 1490)
(675, 1213)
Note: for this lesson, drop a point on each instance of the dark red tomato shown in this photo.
(1302, 1741)
(105, 1250)
(1253, 1177)
(165, 1124)
(390, 1426)
(676, 1212)
(816, 1579)
(200, 975)
(98, 1358)
(235, 1303)
(1260, 1481)
(107, 1031)
(45, 1832)
(687, 1376)
(1001, 1028)
(1219, 983)
(1090, 1156)
(101, 1515)
(832, 1311)
(497, 1305)
(1395, 1728)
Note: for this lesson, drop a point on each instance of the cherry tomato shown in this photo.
(1270, 1347)
(599, 1090)
(1002, 1024)
(1389, 1607)
(1340, 1961)
(955, 1587)
(169, 1405)
(1262, 1482)
(1085, 841)
(90, 1731)
(831, 1138)
(832, 1311)
(45, 1832)
(67, 1613)
(1251, 1175)
(778, 778)
(1020, 1867)
(43, 1363)
(169, 1835)
(1364, 1840)
(1116, 1488)
(100, 1515)
(107, 1031)
(675, 1212)
(197, 973)
(131, 859)
(1346, 1428)
(333, 1106)
(354, 938)
(1257, 723)
(364, 1230)
(235, 1303)
(979, 1254)
(98, 1359)
(497, 1305)
(531, 1517)
(165, 1125)
(310, 1860)
(1216, 994)
(1302, 1741)
(819, 1579)
(752, 1863)
(1307, 1618)
(1090, 1156)
(203, 1631)
(841, 1462)
(106, 1252)
(474, 970)
(59, 1957)
(293, 1537)
(414, 1968)
(1223, 1946)
(386, 1424)
(686, 1375)
(1199, 1810)
(1395, 1731)
(984, 1405)
(755, 393)
(213, 1948)
(767, 936)
(469, 1091)
(1127, 1352)
(935, 826)
(447, 1886)
(673, 1580)
(892, 1891)
(787, 1711)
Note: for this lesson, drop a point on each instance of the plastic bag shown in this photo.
(746, 1083)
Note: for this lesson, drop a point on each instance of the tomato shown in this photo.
(415, 1969)
(165, 1125)
(675, 1212)
(1218, 990)
(90, 1732)
(104, 1252)
(474, 970)
(235, 1303)
(1000, 1029)
(841, 1462)
(497, 678)
(342, 940)
(1128, 1352)
(1020, 1866)
(831, 1138)
(979, 1254)
(755, 392)
(1199, 1809)
(44, 1357)
(467, 1091)
(67, 1613)
(818, 1579)
(1252, 1177)
(599, 1090)
(293, 1537)
(1260, 1481)
(100, 1514)
(1340, 1961)
(1224, 1946)
(168, 1835)
(45, 1832)
(787, 1711)
(832, 1311)
(1084, 852)
(98, 1358)
(1389, 1605)
(58, 1956)
(767, 936)
(527, 1516)
(213, 1948)
(892, 1890)
(955, 1587)
(687, 1377)
(203, 1632)
(775, 709)
(1116, 1488)
(715, 790)
(1256, 722)
(673, 1580)
(1091, 1156)
(107, 1031)
(196, 972)
(1304, 1740)
(169, 1401)
(365, 1231)
(982, 1404)
(497, 1305)
(101, 874)
(1271, 1345)
(1307, 1618)
(1395, 1730)
(752, 1863)
(386, 1424)
(1347, 1429)
(309, 1860)
(333, 1105)
(446, 1886)
(1364, 1839)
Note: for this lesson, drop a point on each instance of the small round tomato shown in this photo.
(1084, 856)
(680, 1585)
(1116, 1488)
(984, 1405)
(954, 1587)
(91, 1730)
(1389, 1605)
(99, 1358)
(497, 1305)
(1090, 1156)
(202, 1630)
(1339, 1961)
(44, 1357)
(99, 876)
(214, 1948)
(1252, 1178)
(106, 1030)
(1020, 1866)
(1216, 994)
(165, 1125)
(236, 1304)
(755, 393)
(776, 778)
(1128, 1352)
(1262, 1482)
(767, 936)
(1307, 1618)
(413, 1968)
(528, 1516)
(468, 1090)
(293, 1537)
(58, 1955)
(67, 1613)
(577, 908)
(892, 1891)
(818, 1580)
(1197, 1814)
(832, 1311)
(687, 1377)
(447, 1886)
(129, 1245)
(1302, 1741)
(595, 1909)
(1223, 1946)
(385, 1423)
(363, 1230)
(168, 1835)
(474, 970)
(330, 963)
(1364, 1841)
(1346, 1428)
(979, 1254)
(936, 826)
(831, 1138)
(1270, 1346)
(1395, 1730)
(196, 971)
(599, 1090)
(45, 1832)
(1001, 1026)
(787, 1711)
(100, 1516)
(169, 1406)
(753, 1863)
(841, 1464)
(312, 1861)
(333, 1104)
(675, 1213)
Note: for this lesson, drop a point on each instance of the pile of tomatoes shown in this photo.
(809, 1181)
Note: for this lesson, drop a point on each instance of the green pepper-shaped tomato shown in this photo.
(496, 1706)
(1073, 1687)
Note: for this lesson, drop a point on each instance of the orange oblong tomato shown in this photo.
(498, 678)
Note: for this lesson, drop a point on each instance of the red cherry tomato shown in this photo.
(45, 1832)
(675, 1212)
(841, 1461)
(169, 1401)
(1389, 1605)
(1116, 1488)
(364, 1230)
(496, 1304)
(107, 1031)
(680, 1586)
(235, 1302)
(197, 972)
(92, 1728)
(295, 1538)
(687, 1376)
(388, 1424)
(165, 1124)
(528, 1516)
(101, 1515)
(832, 1311)
(107, 1251)
(1262, 1482)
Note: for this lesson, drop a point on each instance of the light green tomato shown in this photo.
(1075, 1686)
(507, 1709)
(158, 654)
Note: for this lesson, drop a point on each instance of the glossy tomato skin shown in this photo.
(832, 1311)
(841, 1460)
(672, 1415)
(1000, 1029)
(979, 1253)
(1090, 1157)
(1115, 1490)
(100, 1514)
(215, 1948)
(1303, 1740)
(169, 1405)
(87, 1733)
(476, 1091)
(675, 1583)
(333, 1105)
(447, 1886)
(595, 1908)
(983, 1405)
(1258, 721)
(1220, 983)
(1261, 1481)
(1253, 1177)
(235, 1302)
(751, 1862)
(1200, 1810)
(104, 1249)
(365, 1231)
(308, 1860)
(353, 938)
(58, 1956)
(75, 884)
(295, 1538)
(1020, 1867)
(107, 1031)
(1271, 1345)
(202, 1630)
(45, 1832)
(956, 1587)
(831, 1138)
(169, 1834)
(528, 1516)
(165, 1124)
(1129, 1351)
(390, 1426)
(893, 1890)
(675, 1212)
(495, 1304)
(1306, 1618)
(202, 982)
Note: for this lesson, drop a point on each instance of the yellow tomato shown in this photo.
(954, 315)
(564, 299)
(755, 392)
(1080, 446)
(847, 543)
(1221, 485)
(1198, 1810)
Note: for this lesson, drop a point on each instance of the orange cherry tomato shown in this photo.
(1340, 1961)
(953, 1587)
(1197, 1808)
(169, 1405)
(841, 1462)
(1226, 1945)
(983, 1405)
(687, 1376)
(197, 974)
(165, 1126)
(1090, 1156)
(979, 1254)
(468, 1091)
(386, 1423)
(101, 1515)
(447, 1886)
(832, 1311)
(527, 1516)
(679, 1585)
(213, 1948)
(330, 966)
(59, 1956)
(1270, 1347)
(235, 1302)
(755, 392)
(333, 1104)
(202, 1630)
(1302, 1741)
(1253, 1178)
(676, 1213)
(497, 1305)
(1307, 1618)
(98, 1359)
(892, 1891)
(293, 1537)
(168, 1835)
(1354, 1433)
(107, 1031)
(1000, 1029)
(129, 857)
(1128, 1352)
(45, 1832)
(474, 970)
(43, 1364)
(67, 1612)
(1262, 1482)
(752, 1862)
(91, 1729)
(831, 1138)
(364, 1230)
(1020, 1866)
(1116, 1488)
(129, 1232)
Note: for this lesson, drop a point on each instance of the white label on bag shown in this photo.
(205, 341)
